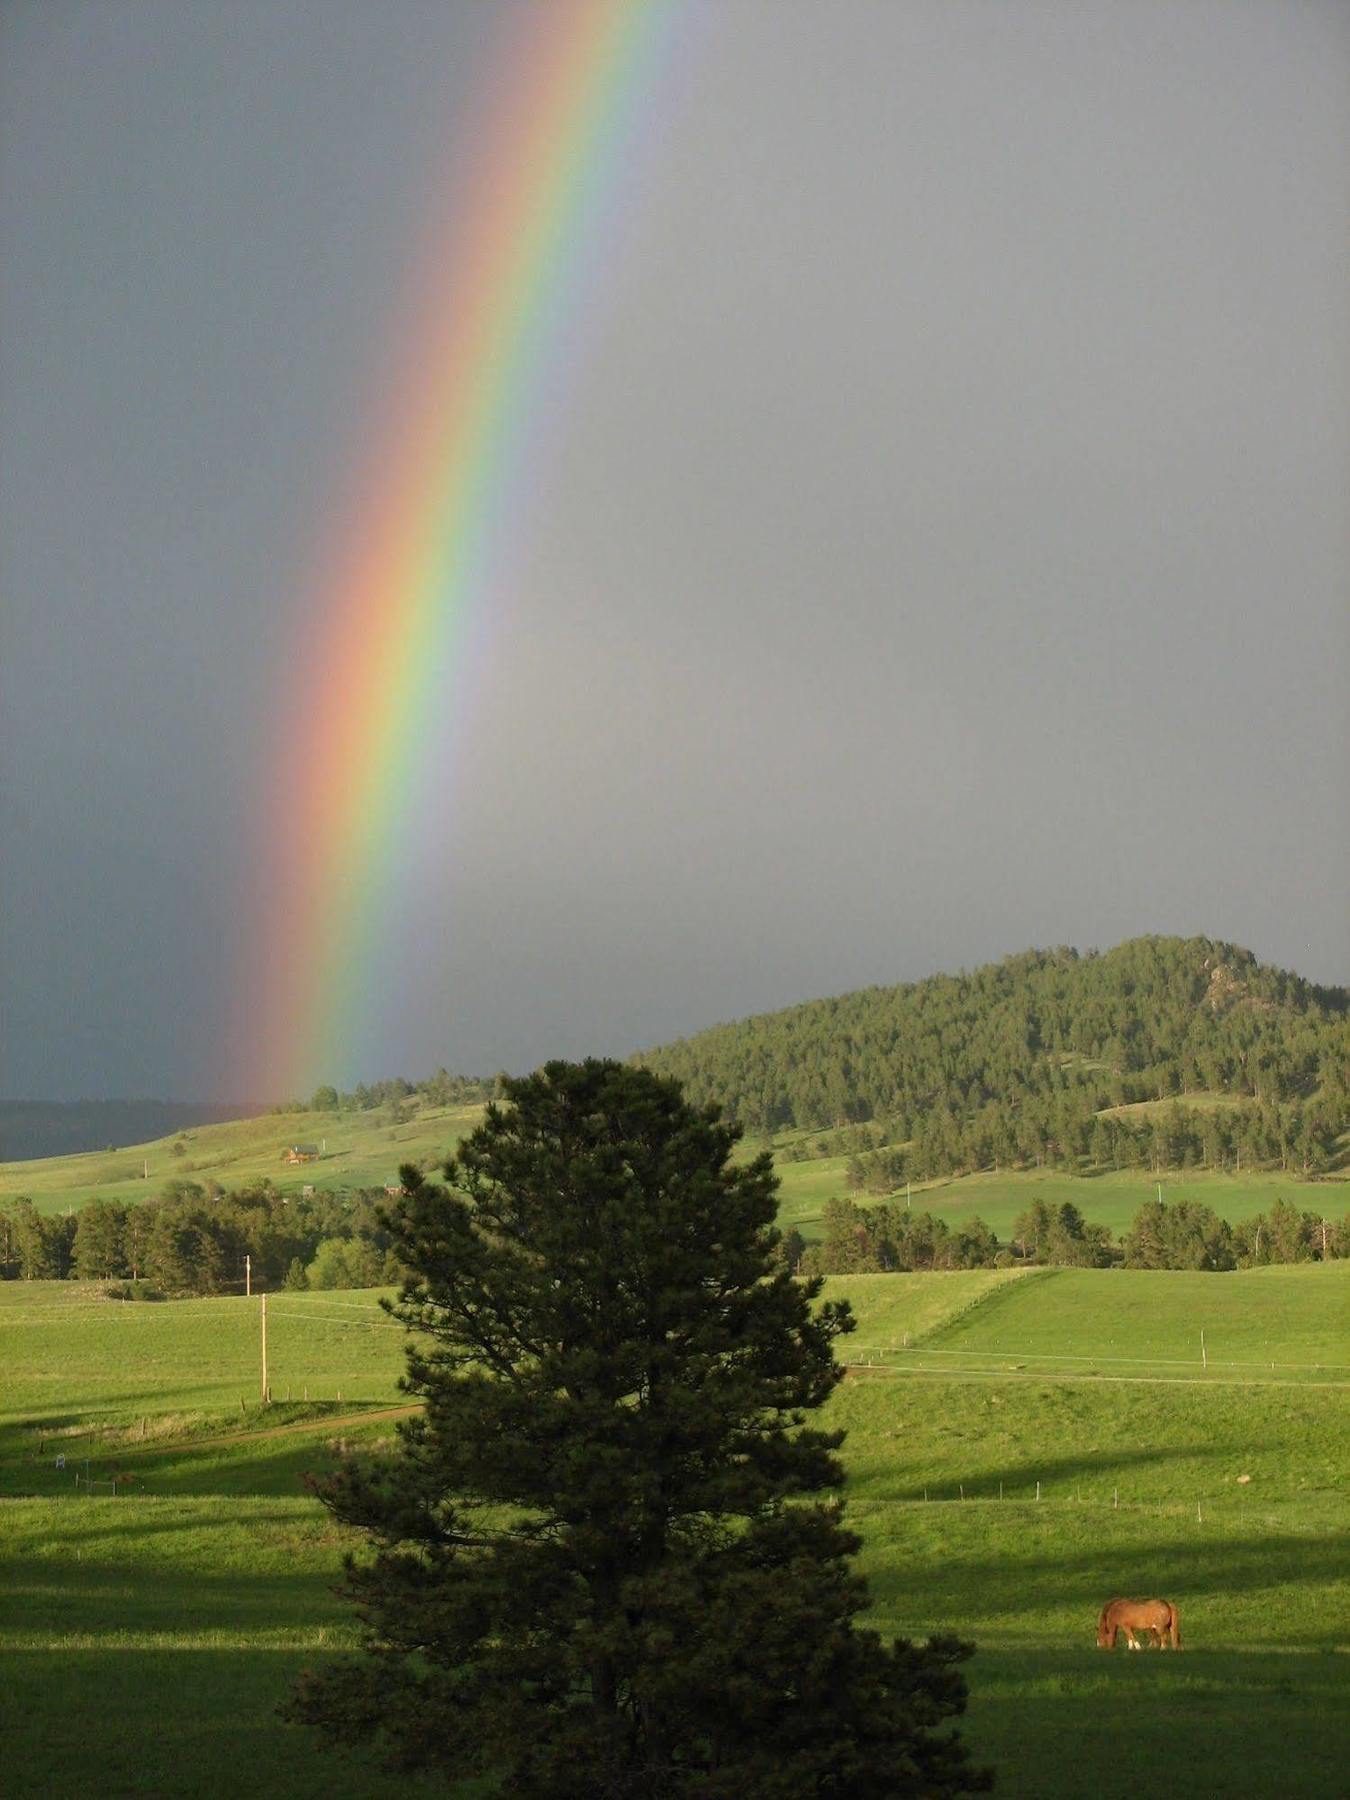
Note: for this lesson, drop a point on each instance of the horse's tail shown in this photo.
(1174, 1625)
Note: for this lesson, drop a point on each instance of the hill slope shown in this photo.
(1012, 1062)
(356, 1149)
(31, 1129)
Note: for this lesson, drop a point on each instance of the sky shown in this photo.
(933, 538)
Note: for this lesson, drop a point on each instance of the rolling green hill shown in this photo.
(357, 1149)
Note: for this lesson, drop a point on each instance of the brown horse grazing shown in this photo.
(1158, 1616)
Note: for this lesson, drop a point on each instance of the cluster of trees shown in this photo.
(894, 1236)
(440, 1089)
(1176, 1235)
(877, 1239)
(1186, 1235)
(1064, 1131)
(186, 1241)
(1014, 1064)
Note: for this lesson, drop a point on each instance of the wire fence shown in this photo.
(998, 1359)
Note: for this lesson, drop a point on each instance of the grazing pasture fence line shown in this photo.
(997, 1360)
(861, 1507)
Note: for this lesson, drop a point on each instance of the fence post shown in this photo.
(1038, 1490)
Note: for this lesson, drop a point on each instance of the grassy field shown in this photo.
(75, 1360)
(358, 1149)
(1110, 1199)
(170, 1619)
(1113, 1324)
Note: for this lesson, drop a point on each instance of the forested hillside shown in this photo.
(1050, 1056)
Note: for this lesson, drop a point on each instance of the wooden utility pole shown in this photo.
(264, 1349)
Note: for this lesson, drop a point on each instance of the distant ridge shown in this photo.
(998, 1063)
(36, 1128)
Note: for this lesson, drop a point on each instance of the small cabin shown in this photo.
(302, 1153)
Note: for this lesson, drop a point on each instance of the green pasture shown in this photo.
(803, 1189)
(72, 1358)
(1286, 1322)
(1111, 1198)
(1141, 1493)
(148, 1637)
(148, 1642)
(357, 1149)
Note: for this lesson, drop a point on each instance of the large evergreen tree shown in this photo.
(602, 1564)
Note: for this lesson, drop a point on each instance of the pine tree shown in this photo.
(602, 1560)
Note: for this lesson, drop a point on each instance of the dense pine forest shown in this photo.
(1040, 1059)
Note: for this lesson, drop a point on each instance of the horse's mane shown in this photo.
(1101, 1622)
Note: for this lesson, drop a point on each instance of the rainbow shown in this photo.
(388, 631)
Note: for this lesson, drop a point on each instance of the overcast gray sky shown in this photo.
(943, 550)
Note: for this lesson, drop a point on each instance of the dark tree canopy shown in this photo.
(1011, 1065)
(603, 1562)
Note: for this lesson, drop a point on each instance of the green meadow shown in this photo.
(150, 1628)
(1111, 1198)
(356, 1149)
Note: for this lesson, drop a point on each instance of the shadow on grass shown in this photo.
(148, 1544)
(1018, 1479)
(1225, 1591)
(224, 1453)
(173, 1723)
(1077, 1725)
(82, 1592)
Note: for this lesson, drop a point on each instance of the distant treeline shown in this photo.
(1297, 1139)
(1182, 1235)
(1012, 1066)
(440, 1089)
(186, 1241)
